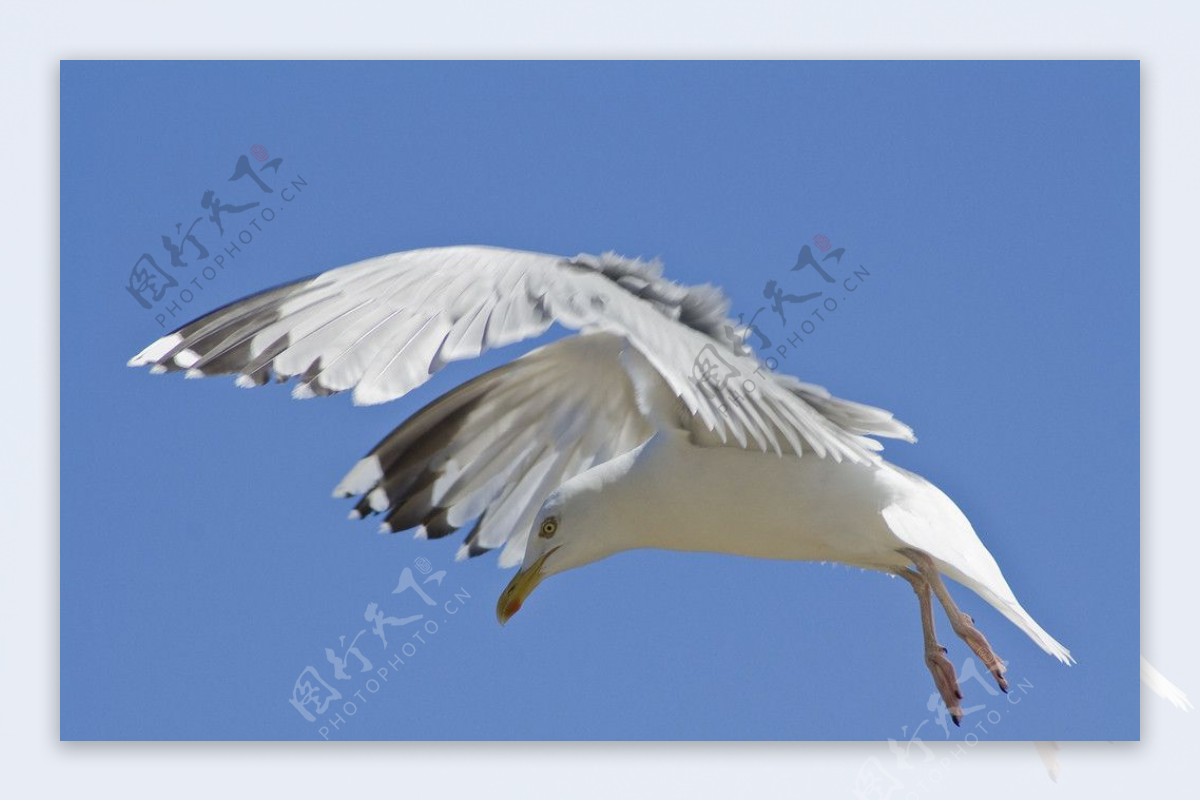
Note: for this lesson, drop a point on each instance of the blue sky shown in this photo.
(994, 207)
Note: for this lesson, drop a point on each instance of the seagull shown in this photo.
(653, 426)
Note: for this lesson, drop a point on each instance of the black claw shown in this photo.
(957, 720)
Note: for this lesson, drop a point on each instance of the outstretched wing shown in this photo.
(491, 450)
(382, 327)
(652, 353)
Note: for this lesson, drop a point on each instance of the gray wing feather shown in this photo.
(492, 449)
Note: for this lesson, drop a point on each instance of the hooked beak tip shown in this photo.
(518, 589)
(506, 609)
(512, 598)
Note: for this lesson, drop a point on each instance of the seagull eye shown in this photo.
(549, 526)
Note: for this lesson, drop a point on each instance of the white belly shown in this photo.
(681, 497)
(729, 500)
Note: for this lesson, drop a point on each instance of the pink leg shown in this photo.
(962, 623)
(935, 655)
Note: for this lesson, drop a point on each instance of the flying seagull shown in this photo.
(653, 427)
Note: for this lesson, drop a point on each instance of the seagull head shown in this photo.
(546, 540)
(574, 527)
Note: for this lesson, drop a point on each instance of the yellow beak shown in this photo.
(519, 588)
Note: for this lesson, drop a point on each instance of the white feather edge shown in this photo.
(362, 477)
(155, 350)
(1163, 687)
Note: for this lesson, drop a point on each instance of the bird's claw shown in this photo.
(982, 649)
(947, 684)
(998, 674)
